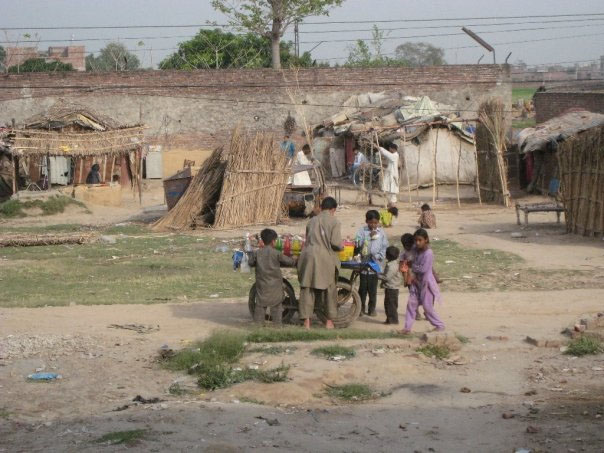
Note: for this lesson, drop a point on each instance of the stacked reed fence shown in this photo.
(491, 147)
(254, 182)
(581, 164)
(197, 206)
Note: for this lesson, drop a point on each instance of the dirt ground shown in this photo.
(559, 397)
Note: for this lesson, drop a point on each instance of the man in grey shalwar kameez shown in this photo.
(319, 264)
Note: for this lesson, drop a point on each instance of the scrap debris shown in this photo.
(138, 328)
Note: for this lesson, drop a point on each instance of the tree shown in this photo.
(271, 18)
(113, 57)
(371, 56)
(40, 65)
(2, 57)
(214, 49)
(421, 54)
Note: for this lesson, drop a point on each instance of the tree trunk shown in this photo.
(276, 51)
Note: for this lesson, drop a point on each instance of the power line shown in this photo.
(452, 19)
(121, 27)
(140, 38)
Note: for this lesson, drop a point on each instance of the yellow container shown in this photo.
(348, 252)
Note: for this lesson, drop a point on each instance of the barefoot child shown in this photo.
(424, 288)
(372, 243)
(269, 280)
(391, 281)
(407, 258)
(427, 219)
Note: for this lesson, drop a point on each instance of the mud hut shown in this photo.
(60, 146)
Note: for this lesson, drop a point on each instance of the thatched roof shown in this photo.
(63, 114)
(392, 117)
(547, 135)
(40, 142)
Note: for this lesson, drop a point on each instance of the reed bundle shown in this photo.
(254, 181)
(197, 205)
(581, 164)
(491, 133)
(29, 240)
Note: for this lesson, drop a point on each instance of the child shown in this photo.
(423, 287)
(269, 280)
(388, 215)
(391, 281)
(427, 219)
(406, 260)
(372, 243)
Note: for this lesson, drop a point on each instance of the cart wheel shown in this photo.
(290, 303)
(349, 305)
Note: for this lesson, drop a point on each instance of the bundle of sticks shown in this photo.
(29, 240)
(197, 205)
(254, 182)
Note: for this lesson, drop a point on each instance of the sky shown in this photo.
(544, 40)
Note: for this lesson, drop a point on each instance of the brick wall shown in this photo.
(205, 105)
(551, 104)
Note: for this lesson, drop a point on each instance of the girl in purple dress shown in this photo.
(423, 288)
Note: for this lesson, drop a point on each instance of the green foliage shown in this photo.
(41, 65)
(215, 49)
(522, 93)
(128, 438)
(351, 392)
(585, 346)
(523, 123)
(113, 57)
(2, 57)
(370, 55)
(334, 350)
(434, 350)
(298, 334)
(420, 54)
(271, 18)
(52, 205)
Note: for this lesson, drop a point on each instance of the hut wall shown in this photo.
(581, 161)
(447, 155)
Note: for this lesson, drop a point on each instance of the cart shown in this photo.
(348, 299)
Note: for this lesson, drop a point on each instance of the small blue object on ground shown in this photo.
(44, 376)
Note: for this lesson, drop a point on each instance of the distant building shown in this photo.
(75, 55)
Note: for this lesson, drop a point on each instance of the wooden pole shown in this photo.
(377, 143)
(15, 174)
(457, 175)
(477, 173)
(140, 175)
(434, 169)
(48, 171)
(417, 175)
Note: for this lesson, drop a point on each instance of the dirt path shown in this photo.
(105, 368)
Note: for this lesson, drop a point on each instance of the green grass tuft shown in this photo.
(11, 209)
(351, 392)
(250, 400)
(462, 339)
(298, 334)
(212, 361)
(220, 348)
(334, 350)
(584, 346)
(128, 438)
(273, 350)
(50, 206)
(436, 351)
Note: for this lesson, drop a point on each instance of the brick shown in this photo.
(551, 104)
